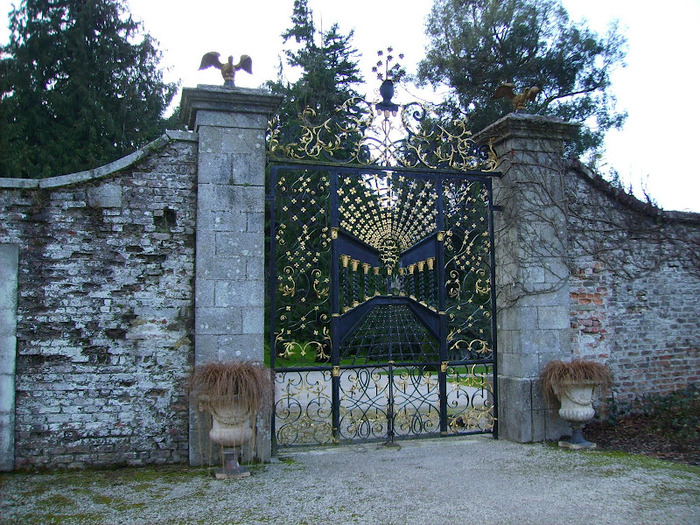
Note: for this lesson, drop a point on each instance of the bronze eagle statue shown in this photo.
(507, 90)
(228, 69)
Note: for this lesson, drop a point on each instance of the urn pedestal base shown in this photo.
(576, 441)
(230, 468)
(577, 408)
(231, 428)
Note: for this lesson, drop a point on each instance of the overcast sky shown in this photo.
(654, 150)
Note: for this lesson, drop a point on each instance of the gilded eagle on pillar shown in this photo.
(507, 90)
(228, 69)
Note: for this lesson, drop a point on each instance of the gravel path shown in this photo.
(456, 480)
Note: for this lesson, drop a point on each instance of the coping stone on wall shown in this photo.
(102, 171)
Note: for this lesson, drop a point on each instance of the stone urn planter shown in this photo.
(571, 387)
(233, 393)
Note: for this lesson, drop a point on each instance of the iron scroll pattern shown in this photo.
(358, 134)
(301, 306)
(380, 304)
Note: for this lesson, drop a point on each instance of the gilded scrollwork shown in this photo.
(470, 398)
(321, 284)
(359, 134)
(468, 271)
(363, 395)
(303, 243)
(384, 258)
(303, 408)
(287, 283)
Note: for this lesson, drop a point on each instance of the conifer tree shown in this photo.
(328, 63)
(80, 86)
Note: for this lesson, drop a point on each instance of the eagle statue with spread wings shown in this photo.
(228, 69)
(507, 90)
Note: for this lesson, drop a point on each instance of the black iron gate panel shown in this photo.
(380, 303)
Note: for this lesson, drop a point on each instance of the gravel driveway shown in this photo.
(441, 481)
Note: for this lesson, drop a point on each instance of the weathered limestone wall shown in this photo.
(127, 276)
(635, 288)
(105, 309)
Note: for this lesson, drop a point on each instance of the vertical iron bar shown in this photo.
(335, 307)
(441, 299)
(346, 290)
(421, 284)
(494, 324)
(365, 281)
(390, 408)
(271, 290)
(355, 289)
(272, 263)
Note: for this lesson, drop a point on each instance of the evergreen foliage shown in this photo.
(476, 45)
(80, 86)
(328, 63)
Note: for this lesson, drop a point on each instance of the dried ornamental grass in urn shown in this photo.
(234, 393)
(570, 387)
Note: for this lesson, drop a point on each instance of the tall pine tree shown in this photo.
(80, 86)
(328, 63)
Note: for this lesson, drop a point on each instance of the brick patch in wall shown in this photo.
(634, 291)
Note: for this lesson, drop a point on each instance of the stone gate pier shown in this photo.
(229, 302)
(532, 276)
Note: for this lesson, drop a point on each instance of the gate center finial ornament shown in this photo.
(392, 73)
(386, 90)
(228, 69)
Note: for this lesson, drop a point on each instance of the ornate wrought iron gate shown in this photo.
(381, 311)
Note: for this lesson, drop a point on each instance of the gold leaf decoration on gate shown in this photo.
(358, 134)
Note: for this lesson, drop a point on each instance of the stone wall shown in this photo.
(105, 309)
(100, 325)
(634, 287)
